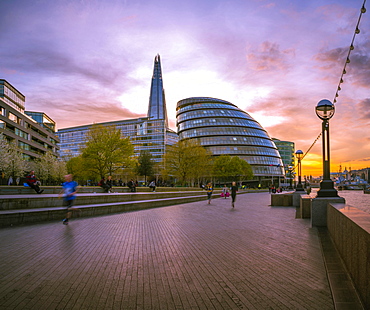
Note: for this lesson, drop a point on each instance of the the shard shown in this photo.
(157, 101)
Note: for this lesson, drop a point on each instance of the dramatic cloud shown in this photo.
(92, 61)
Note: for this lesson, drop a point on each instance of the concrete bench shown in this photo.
(282, 199)
(109, 203)
(349, 229)
(24, 216)
(51, 200)
(305, 206)
(23, 190)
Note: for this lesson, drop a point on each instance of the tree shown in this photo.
(227, 168)
(145, 164)
(106, 150)
(187, 161)
(50, 169)
(12, 163)
(77, 167)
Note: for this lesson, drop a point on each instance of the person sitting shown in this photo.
(152, 185)
(103, 184)
(33, 182)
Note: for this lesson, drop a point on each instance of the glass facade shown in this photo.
(286, 150)
(144, 134)
(224, 129)
(12, 96)
(29, 134)
(42, 119)
(150, 133)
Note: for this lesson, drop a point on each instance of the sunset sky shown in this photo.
(85, 61)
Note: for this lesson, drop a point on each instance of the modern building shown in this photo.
(286, 151)
(33, 132)
(149, 133)
(224, 129)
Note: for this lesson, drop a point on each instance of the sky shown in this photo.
(86, 61)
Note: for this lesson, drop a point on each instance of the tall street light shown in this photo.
(325, 111)
(299, 155)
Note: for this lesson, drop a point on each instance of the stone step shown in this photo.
(21, 190)
(27, 216)
(10, 202)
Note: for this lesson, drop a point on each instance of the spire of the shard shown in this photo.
(157, 101)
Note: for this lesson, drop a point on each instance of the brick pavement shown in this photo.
(190, 256)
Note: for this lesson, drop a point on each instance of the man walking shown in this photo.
(69, 191)
(233, 189)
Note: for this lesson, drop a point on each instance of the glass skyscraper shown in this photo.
(149, 133)
(224, 129)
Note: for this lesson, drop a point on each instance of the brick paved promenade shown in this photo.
(190, 256)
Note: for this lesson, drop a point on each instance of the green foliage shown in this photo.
(227, 168)
(145, 164)
(106, 151)
(188, 162)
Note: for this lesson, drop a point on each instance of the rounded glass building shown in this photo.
(224, 129)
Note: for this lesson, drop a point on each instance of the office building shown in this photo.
(286, 150)
(224, 129)
(32, 132)
(149, 133)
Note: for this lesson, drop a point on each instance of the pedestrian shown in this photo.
(209, 189)
(233, 189)
(33, 182)
(152, 185)
(69, 191)
(110, 183)
(225, 191)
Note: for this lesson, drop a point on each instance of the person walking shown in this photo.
(233, 189)
(33, 182)
(69, 191)
(209, 189)
(110, 184)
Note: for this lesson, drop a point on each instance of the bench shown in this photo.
(305, 206)
(128, 202)
(282, 199)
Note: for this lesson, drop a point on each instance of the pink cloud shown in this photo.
(269, 57)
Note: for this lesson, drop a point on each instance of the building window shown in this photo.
(2, 124)
(13, 117)
(2, 111)
(23, 145)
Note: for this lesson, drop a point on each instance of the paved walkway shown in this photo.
(190, 256)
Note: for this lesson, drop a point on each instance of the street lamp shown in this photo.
(290, 171)
(299, 155)
(325, 111)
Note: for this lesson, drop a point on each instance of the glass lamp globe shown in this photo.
(325, 109)
(299, 154)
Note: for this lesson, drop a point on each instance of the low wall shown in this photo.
(52, 200)
(23, 190)
(282, 199)
(349, 229)
(305, 206)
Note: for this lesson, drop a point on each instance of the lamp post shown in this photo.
(299, 155)
(325, 111)
(290, 170)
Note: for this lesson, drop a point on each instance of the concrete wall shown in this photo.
(349, 229)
